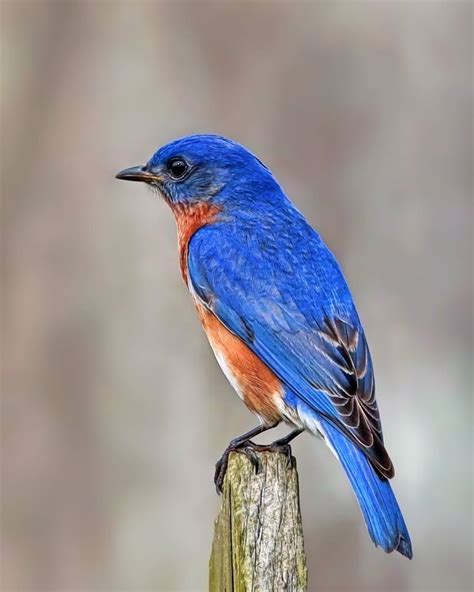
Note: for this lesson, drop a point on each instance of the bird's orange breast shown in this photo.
(189, 219)
(260, 389)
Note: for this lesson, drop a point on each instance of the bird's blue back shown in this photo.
(275, 284)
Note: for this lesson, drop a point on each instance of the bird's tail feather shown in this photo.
(376, 499)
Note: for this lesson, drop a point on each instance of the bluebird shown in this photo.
(278, 314)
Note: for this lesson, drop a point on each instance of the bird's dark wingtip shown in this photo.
(404, 548)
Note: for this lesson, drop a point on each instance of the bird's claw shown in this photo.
(250, 450)
(285, 449)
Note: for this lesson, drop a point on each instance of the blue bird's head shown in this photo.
(204, 168)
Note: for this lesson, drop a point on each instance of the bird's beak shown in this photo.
(137, 173)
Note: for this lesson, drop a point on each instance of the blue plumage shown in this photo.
(269, 279)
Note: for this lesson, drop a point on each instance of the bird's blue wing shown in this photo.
(281, 291)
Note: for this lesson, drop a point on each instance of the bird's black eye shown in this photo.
(177, 167)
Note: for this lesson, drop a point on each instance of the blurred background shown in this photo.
(113, 407)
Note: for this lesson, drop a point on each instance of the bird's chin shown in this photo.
(158, 190)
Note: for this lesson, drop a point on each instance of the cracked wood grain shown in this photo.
(258, 533)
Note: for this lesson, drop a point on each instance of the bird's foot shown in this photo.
(281, 446)
(250, 450)
(246, 447)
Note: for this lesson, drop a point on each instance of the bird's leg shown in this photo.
(240, 444)
(281, 442)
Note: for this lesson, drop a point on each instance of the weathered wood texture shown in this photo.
(258, 533)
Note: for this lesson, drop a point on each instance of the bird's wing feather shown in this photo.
(287, 299)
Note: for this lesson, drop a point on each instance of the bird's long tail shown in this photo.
(376, 499)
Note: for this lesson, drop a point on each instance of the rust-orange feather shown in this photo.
(259, 387)
(189, 219)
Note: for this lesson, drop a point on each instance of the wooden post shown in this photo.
(258, 534)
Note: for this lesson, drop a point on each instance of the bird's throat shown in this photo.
(189, 219)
